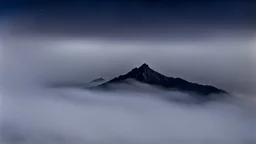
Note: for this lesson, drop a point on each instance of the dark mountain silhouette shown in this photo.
(98, 80)
(145, 74)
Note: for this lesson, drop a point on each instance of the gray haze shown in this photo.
(223, 61)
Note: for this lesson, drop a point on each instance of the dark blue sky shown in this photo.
(223, 10)
(91, 16)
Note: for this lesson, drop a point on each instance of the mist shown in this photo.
(79, 116)
(225, 62)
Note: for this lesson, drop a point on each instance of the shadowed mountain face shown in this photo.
(145, 74)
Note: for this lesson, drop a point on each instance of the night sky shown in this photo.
(128, 16)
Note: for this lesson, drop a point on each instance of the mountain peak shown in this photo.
(144, 66)
(149, 76)
(145, 69)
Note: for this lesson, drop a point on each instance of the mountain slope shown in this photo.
(145, 74)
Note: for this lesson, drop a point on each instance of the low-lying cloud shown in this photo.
(78, 116)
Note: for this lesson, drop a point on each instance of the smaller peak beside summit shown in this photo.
(98, 80)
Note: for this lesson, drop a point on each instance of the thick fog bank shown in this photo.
(72, 116)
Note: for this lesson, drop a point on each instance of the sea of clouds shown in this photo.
(76, 116)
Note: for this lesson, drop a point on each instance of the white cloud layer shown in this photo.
(75, 116)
